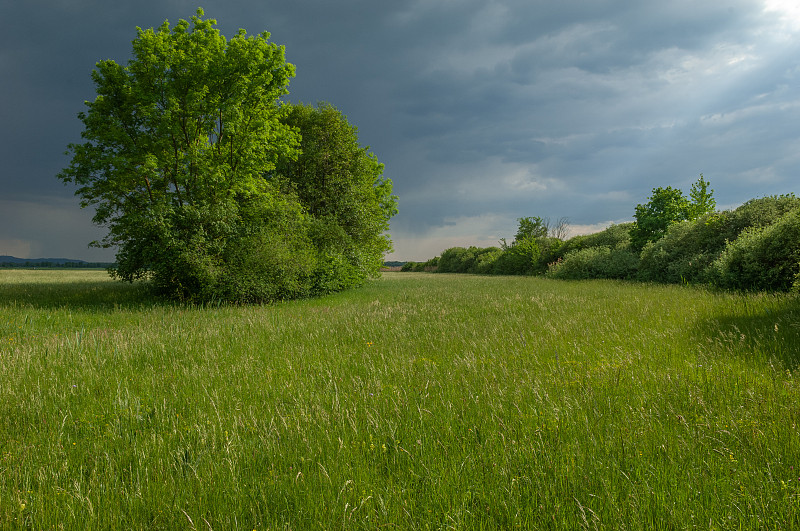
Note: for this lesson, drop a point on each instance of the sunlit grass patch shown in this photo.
(420, 401)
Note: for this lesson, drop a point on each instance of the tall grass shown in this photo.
(417, 402)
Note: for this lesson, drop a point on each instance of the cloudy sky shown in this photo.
(483, 111)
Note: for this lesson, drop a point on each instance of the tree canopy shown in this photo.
(701, 199)
(343, 188)
(531, 228)
(179, 160)
(667, 206)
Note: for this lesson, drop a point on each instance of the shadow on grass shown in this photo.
(768, 324)
(99, 296)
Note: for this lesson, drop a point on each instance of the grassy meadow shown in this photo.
(417, 402)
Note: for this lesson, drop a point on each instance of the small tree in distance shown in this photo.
(701, 199)
(531, 228)
(521, 256)
(667, 206)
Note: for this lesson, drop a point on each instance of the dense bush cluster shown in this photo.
(754, 247)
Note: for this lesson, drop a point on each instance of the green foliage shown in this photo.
(485, 260)
(757, 213)
(519, 258)
(180, 154)
(706, 249)
(177, 144)
(764, 259)
(343, 188)
(667, 206)
(688, 249)
(615, 236)
(456, 260)
(531, 228)
(604, 254)
(459, 260)
(685, 252)
(754, 247)
(473, 260)
(529, 252)
(272, 259)
(701, 199)
(428, 266)
(549, 251)
(595, 262)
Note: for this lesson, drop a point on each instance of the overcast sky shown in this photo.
(483, 111)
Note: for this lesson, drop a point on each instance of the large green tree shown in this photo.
(342, 186)
(179, 158)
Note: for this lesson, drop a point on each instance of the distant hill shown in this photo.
(12, 261)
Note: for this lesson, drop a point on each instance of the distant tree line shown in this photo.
(674, 239)
(65, 264)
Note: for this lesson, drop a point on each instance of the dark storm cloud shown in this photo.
(482, 111)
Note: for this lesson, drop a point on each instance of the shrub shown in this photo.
(689, 248)
(517, 259)
(223, 252)
(595, 262)
(465, 260)
(549, 251)
(756, 213)
(486, 259)
(457, 260)
(418, 267)
(613, 237)
(766, 258)
(685, 252)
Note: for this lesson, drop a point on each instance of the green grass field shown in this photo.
(417, 402)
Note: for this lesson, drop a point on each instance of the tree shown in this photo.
(179, 156)
(531, 228)
(702, 199)
(521, 256)
(560, 230)
(667, 206)
(342, 186)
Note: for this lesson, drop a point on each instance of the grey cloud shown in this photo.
(481, 111)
